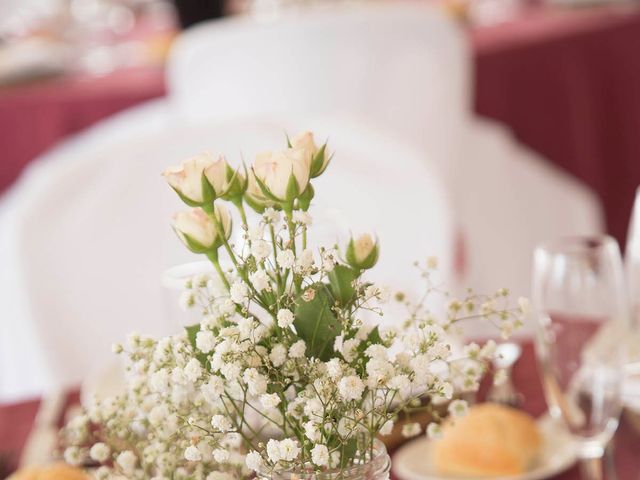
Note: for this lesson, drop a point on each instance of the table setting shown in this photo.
(284, 369)
(303, 314)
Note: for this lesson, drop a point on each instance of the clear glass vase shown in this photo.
(374, 466)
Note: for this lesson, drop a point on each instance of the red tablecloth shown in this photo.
(566, 81)
(15, 422)
(34, 118)
(568, 84)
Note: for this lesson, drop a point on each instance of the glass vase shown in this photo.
(374, 466)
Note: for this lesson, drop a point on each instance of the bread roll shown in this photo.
(56, 471)
(490, 441)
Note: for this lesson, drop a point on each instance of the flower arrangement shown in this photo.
(283, 373)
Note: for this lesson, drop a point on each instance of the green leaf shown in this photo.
(192, 332)
(349, 450)
(341, 278)
(316, 324)
(374, 337)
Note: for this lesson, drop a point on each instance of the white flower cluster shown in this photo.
(150, 430)
(281, 372)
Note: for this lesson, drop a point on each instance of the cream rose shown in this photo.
(305, 142)
(284, 173)
(187, 178)
(226, 182)
(254, 195)
(198, 231)
(318, 157)
(216, 174)
(362, 253)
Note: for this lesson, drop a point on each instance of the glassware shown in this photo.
(632, 262)
(631, 387)
(376, 465)
(506, 356)
(578, 294)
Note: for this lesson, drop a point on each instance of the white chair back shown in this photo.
(403, 66)
(508, 200)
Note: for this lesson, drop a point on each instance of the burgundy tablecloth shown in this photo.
(34, 118)
(568, 84)
(16, 420)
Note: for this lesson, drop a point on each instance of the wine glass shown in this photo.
(632, 262)
(578, 294)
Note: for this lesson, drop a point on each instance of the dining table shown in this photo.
(16, 421)
(564, 80)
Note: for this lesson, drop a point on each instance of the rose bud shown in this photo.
(362, 253)
(318, 156)
(198, 231)
(226, 183)
(254, 196)
(189, 181)
(282, 175)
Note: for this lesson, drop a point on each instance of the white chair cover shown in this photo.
(508, 200)
(401, 65)
(90, 234)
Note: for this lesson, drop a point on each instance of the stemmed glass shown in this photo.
(578, 294)
(632, 262)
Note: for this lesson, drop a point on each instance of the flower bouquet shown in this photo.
(283, 377)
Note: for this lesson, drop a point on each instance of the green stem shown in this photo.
(221, 234)
(242, 272)
(213, 256)
(243, 214)
(247, 440)
(272, 233)
(292, 228)
(292, 240)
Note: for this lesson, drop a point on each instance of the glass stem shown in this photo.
(591, 468)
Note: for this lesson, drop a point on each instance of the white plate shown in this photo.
(413, 461)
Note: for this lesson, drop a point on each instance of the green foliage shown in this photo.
(316, 323)
(192, 332)
(304, 200)
(341, 283)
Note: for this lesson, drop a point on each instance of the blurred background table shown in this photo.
(16, 421)
(564, 80)
(35, 117)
